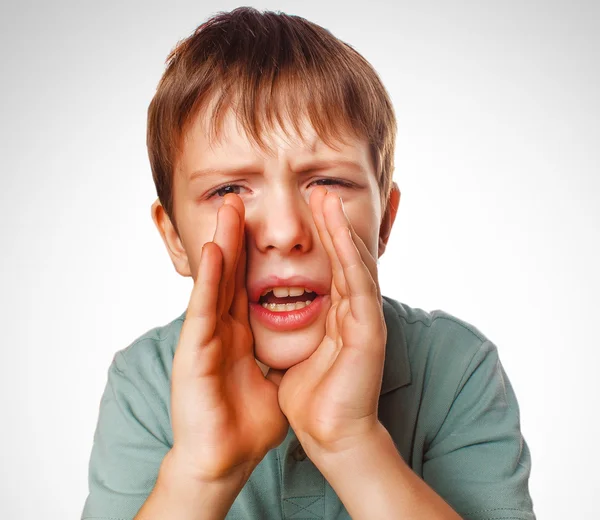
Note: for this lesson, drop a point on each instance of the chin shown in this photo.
(282, 350)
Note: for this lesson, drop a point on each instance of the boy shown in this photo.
(290, 388)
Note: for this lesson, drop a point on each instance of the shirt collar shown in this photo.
(396, 369)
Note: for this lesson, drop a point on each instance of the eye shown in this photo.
(330, 181)
(221, 191)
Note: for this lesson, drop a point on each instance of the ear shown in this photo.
(171, 239)
(389, 217)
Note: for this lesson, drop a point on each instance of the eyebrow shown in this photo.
(326, 164)
(309, 166)
(231, 171)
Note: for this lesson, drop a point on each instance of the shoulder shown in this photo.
(459, 415)
(418, 321)
(139, 377)
(441, 351)
(133, 432)
(152, 352)
(436, 336)
(451, 363)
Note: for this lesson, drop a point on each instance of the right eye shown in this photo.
(221, 191)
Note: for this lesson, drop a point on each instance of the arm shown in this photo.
(373, 482)
(224, 413)
(133, 468)
(180, 496)
(331, 399)
(478, 459)
(477, 462)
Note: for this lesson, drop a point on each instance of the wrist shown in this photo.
(179, 493)
(373, 481)
(335, 447)
(178, 469)
(338, 454)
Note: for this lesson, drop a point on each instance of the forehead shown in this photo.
(203, 148)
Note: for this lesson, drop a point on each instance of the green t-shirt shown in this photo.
(445, 400)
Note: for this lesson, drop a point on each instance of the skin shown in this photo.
(281, 236)
(225, 413)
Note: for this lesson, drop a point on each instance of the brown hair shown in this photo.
(270, 66)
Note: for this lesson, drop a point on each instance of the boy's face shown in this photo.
(283, 246)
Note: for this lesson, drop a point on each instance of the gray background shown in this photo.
(497, 159)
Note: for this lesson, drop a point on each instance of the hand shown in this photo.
(224, 413)
(331, 398)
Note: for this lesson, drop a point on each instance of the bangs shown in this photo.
(287, 104)
(280, 76)
(276, 72)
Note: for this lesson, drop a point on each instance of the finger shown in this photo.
(316, 201)
(239, 305)
(227, 238)
(237, 298)
(335, 217)
(201, 317)
(369, 260)
(362, 290)
(235, 200)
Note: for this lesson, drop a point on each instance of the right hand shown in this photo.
(224, 412)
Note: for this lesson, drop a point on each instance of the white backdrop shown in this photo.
(498, 163)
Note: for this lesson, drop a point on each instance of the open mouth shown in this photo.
(286, 299)
(286, 305)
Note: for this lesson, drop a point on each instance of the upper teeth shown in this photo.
(283, 292)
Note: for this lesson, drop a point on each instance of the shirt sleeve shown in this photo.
(130, 443)
(478, 461)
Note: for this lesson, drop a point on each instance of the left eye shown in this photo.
(331, 182)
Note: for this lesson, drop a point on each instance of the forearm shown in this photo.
(178, 496)
(374, 482)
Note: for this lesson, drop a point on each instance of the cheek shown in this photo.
(201, 223)
(198, 229)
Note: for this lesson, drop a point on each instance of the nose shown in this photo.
(283, 222)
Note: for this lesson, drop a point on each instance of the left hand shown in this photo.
(331, 398)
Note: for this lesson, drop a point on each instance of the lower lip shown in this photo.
(288, 320)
